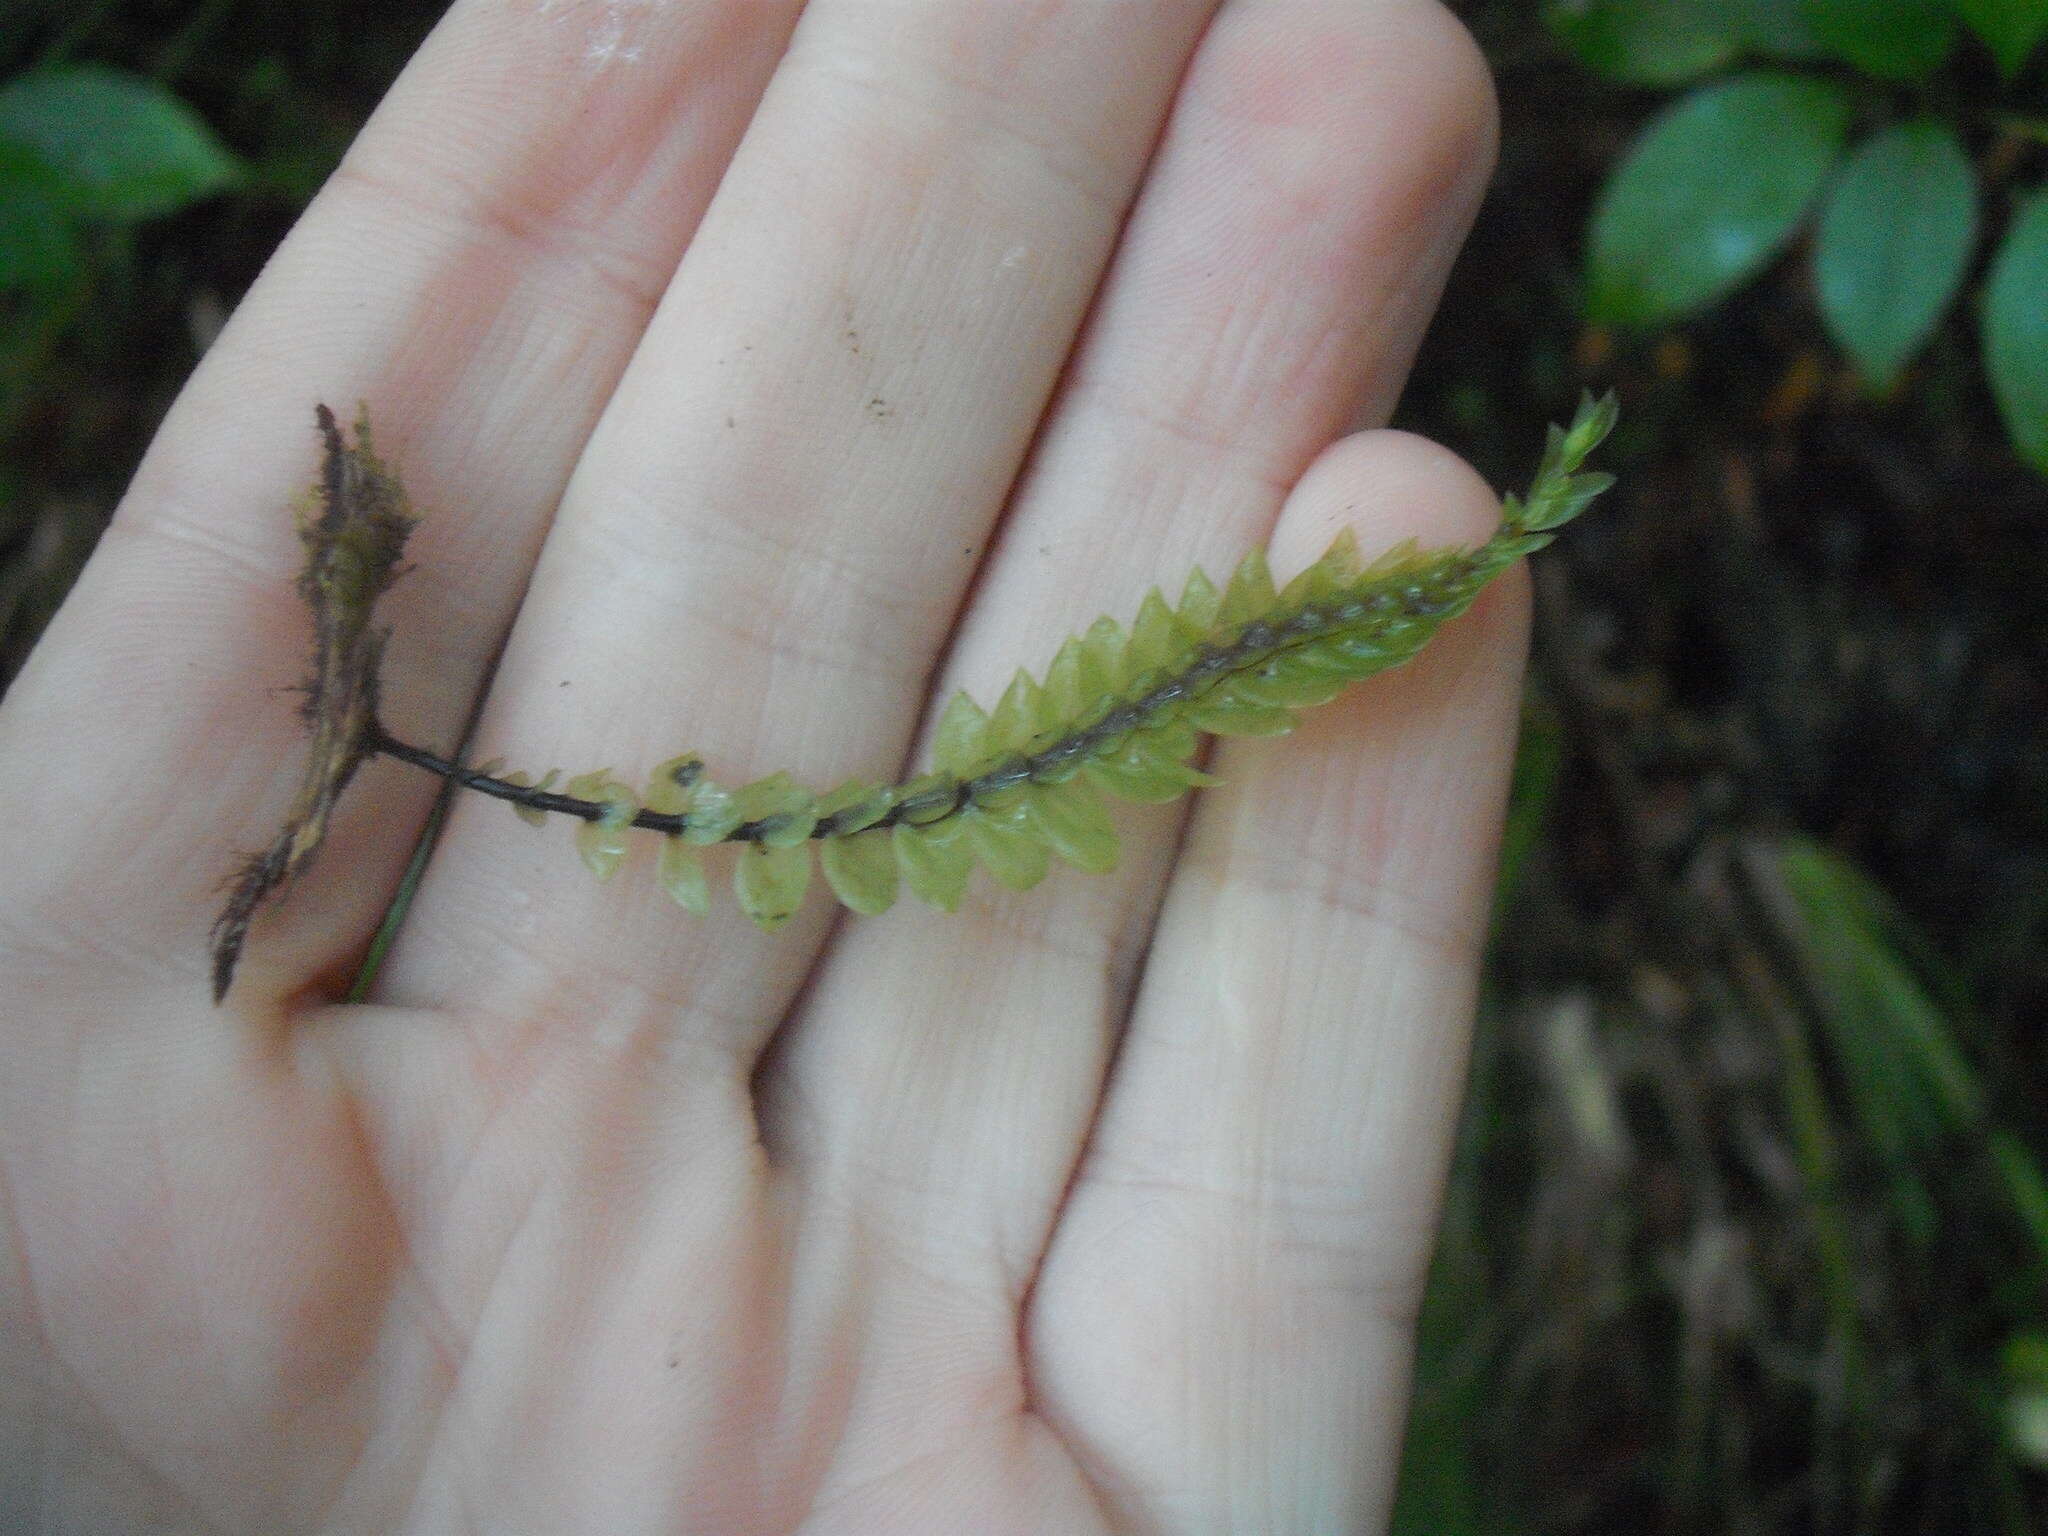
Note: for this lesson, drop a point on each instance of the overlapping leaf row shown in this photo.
(1118, 712)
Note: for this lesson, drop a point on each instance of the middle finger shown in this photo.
(762, 551)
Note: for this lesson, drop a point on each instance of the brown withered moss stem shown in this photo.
(354, 530)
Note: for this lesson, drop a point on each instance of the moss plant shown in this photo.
(1118, 712)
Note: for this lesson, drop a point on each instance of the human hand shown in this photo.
(1103, 1207)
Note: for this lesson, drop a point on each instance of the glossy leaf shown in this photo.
(1895, 239)
(2016, 330)
(2011, 29)
(1711, 192)
(1648, 42)
(1892, 39)
(122, 146)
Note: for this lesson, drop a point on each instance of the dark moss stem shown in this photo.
(1253, 645)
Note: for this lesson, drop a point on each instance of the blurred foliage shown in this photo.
(1745, 1227)
(1719, 183)
(1748, 1226)
(152, 154)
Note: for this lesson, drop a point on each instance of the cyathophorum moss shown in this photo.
(1118, 712)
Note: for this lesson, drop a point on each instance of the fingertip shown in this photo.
(1385, 486)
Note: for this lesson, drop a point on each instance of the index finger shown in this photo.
(479, 268)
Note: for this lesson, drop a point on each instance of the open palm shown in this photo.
(766, 371)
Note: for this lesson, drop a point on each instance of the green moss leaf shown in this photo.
(679, 787)
(1157, 638)
(770, 882)
(602, 843)
(1289, 679)
(861, 870)
(1144, 771)
(2016, 330)
(1072, 821)
(1063, 696)
(1006, 844)
(1711, 192)
(855, 805)
(680, 872)
(1227, 711)
(1332, 573)
(1250, 594)
(1198, 603)
(1103, 668)
(935, 860)
(1017, 715)
(961, 740)
(532, 816)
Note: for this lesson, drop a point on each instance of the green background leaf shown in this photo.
(1713, 189)
(1895, 238)
(123, 147)
(1780, 28)
(1892, 39)
(1648, 42)
(2016, 330)
(38, 238)
(2010, 28)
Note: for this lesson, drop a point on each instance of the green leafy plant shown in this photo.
(1118, 712)
(1864, 141)
(86, 153)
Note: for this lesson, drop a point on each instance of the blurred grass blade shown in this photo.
(1539, 766)
(1912, 1086)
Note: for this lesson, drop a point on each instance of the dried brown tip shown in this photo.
(354, 531)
